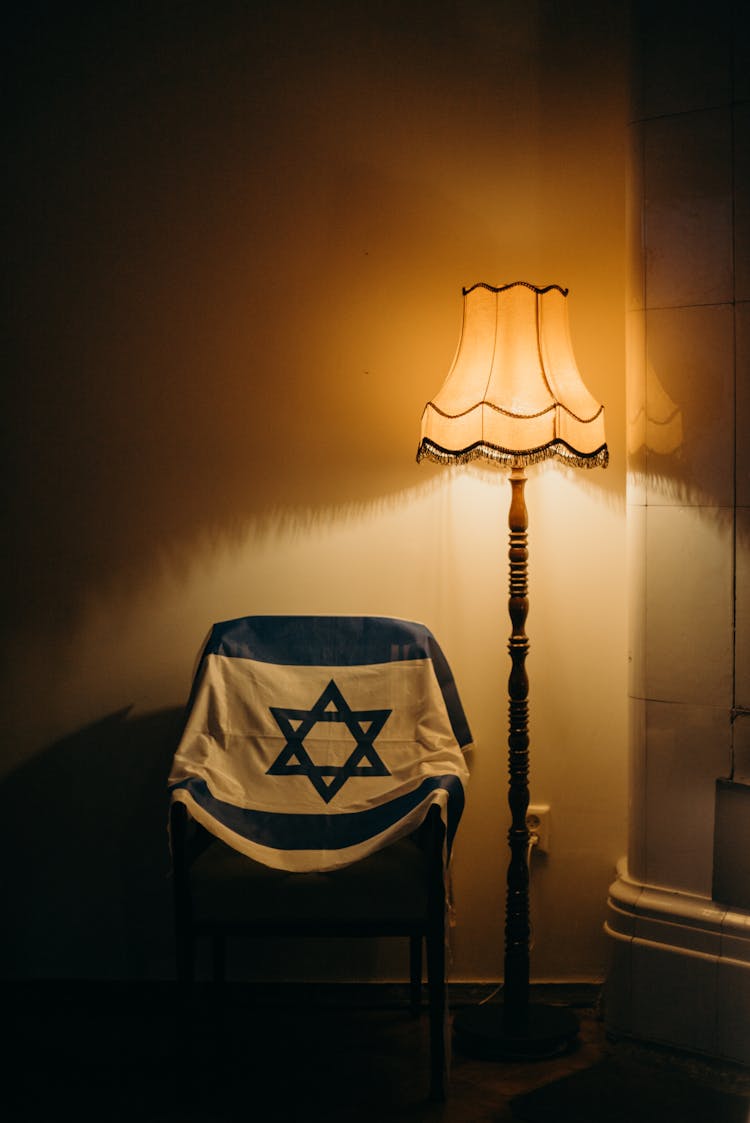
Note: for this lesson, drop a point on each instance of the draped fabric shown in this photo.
(312, 741)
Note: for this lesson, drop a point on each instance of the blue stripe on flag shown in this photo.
(320, 641)
(282, 831)
(337, 641)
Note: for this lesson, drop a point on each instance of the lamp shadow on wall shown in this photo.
(680, 441)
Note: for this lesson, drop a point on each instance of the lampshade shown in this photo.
(514, 393)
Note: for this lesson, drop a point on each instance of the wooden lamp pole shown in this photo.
(517, 1029)
(517, 929)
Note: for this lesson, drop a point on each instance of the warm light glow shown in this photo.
(514, 393)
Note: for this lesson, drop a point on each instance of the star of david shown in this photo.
(328, 779)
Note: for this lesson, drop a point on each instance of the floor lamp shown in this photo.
(514, 396)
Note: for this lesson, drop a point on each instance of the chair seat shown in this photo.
(391, 884)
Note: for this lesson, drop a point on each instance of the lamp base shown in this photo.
(540, 1032)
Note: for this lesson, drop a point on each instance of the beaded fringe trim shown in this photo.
(557, 449)
(513, 285)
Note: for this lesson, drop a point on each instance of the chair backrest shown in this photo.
(311, 741)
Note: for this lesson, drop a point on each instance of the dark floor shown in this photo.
(115, 1053)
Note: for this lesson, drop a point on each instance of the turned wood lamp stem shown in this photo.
(517, 930)
(518, 1029)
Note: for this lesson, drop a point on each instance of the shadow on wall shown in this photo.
(85, 877)
(86, 872)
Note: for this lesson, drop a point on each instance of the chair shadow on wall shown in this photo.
(86, 870)
(86, 856)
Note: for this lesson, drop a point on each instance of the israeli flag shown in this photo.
(312, 741)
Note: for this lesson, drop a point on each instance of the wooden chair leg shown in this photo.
(183, 921)
(415, 974)
(438, 1013)
(436, 961)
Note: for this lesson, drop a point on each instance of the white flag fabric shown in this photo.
(311, 741)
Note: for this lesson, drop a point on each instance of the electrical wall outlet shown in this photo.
(537, 823)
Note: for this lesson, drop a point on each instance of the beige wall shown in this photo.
(238, 246)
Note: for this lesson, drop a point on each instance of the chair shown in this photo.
(279, 827)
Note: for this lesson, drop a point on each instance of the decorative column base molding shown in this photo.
(680, 970)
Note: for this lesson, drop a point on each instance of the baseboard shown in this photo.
(680, 970)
